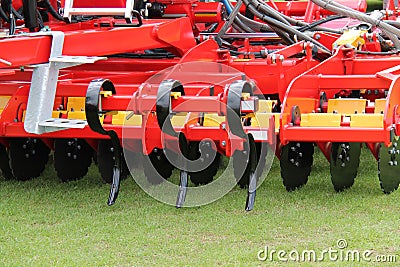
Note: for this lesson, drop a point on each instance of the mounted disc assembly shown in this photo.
(201, 151)
(296, 161)
(389, 167)
(344, 161)
(156, 167)
(72, 158)
(105, 161)
(28, 157)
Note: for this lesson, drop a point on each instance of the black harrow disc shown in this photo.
(241, 160)
(389, 167)
(72, 158)
(202, 151)
(105, 161)
(296, 161)
(28, 157)
(344, 161)
(156, 167)
(5, 164)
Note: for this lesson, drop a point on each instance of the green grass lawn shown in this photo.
(44, 222)
(375, 4)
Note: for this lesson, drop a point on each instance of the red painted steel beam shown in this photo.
(333, 134)
(177, 35)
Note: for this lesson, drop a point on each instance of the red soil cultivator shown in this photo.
(181, 84)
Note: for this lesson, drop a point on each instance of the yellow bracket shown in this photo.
(179, 120)
(76, 103)
(346, 106)
(213, 120)
(176, 95)
(120, 118)
(380, 105)
(351, 37)
(320, 120)
(266, 105)
(366, 120)
(106, 93)
(245, 96)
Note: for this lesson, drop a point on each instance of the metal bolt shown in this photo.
(69, 143)
(223, 143)
(33, 152)
(348, 159)
(298, 144)
(78, 147)
(395, 163)
(291, 160)
(223, 126)
(34, 141)
(343, 165)
(68, 154)
(111, 149)
(390, 163)
(340, 156)
(74, 156)
(27, 156)
(24, 146)
(293, 148)
(297, 164)
(300, 155)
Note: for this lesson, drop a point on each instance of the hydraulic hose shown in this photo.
(264, 8)
(12, 18)
(3, 15)
(228, 6)
(391, 31)
(16, 14)
(274, 23)
(319, 22)
(229, 21)
(242, 25)
(52, 11)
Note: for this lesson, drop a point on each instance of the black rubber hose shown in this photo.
(265, 28)
(242, 25)
(264, 8)
(257, 26)
(39, 20)
(261, 6)
(274, 23)
(391, 31)
(16, 14)
(3, 15)
(319, 22)
(52, 11)
(12, 18)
